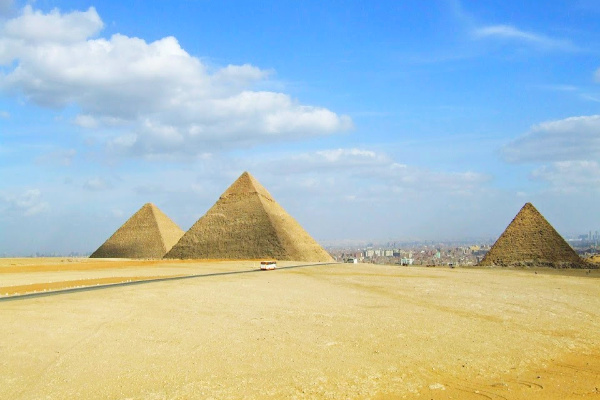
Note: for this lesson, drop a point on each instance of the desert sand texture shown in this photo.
(332, 331)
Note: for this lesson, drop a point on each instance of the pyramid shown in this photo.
(247, 223)
(149, 233)
(529, 240)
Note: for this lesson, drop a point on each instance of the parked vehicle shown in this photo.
(268, 265)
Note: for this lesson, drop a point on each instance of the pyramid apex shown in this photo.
(529, 208)
(150, 207)
(246, 184)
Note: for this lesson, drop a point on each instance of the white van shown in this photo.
(268, 265)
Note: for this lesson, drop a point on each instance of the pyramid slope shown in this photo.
(149, 233)
(247, 223)
(170, 232)
(529, 240)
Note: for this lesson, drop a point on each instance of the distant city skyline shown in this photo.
(365, 121)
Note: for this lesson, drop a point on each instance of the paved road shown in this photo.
(141, 282)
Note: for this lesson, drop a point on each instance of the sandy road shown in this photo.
(56, 288)
(34, 277)
(335, 331)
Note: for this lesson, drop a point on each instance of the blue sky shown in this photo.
(366, 121)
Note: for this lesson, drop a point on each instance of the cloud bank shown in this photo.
(569, 139)
(157, 99)
(568, 150)
(27, 204)
(570, 176)
(363, 171)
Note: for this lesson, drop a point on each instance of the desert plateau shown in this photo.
(224, 329)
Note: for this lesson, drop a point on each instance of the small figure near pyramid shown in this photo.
(247, 223)
(149, 233)
(529, 240)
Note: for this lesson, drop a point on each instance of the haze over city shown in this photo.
(396, 120)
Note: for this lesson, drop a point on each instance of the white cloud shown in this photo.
(353, 155)
(4, 114)
(566, 152)
(28, 203)
(570, 176)
(239, 75)
(333, 159)
(570, 139)
(86, 121)
(362, 170)
(167, 101)
(597, 75)
(507, 32)
(35, 27)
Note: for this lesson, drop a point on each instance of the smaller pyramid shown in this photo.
(149, 233)
(247, 223)
(529, 240)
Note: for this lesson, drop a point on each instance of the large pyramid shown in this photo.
(149, 233)
(246, 223)
(529, 240)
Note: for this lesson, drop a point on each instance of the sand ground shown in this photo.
(327, 331)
